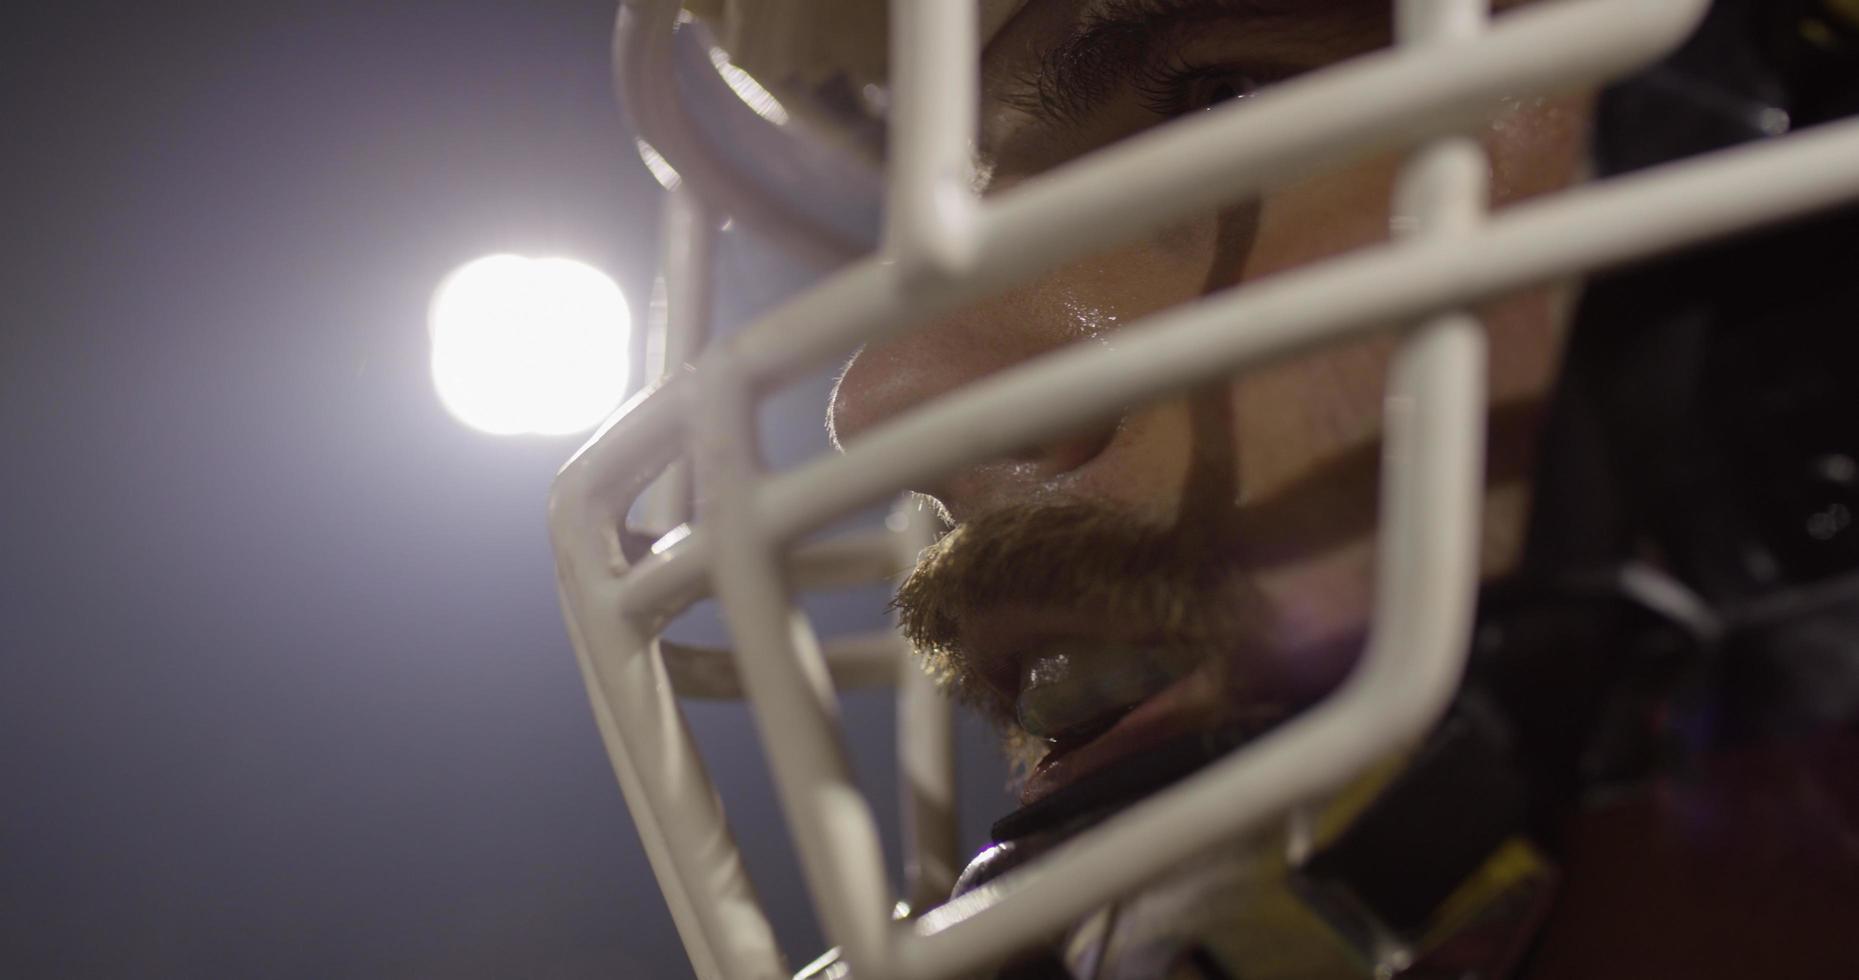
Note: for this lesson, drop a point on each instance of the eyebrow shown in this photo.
(1115, 39)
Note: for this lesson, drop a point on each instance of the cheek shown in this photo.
(1323, 217)
(1539, 146)
(1321, 605)
(1296, 416)
(1535, 147)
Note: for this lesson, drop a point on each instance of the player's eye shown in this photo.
(1176, 89)
(1210, 91)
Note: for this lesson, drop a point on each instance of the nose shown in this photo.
(888, 378)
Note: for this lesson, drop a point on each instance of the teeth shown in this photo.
(1067, 689)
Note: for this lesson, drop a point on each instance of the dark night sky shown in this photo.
(284, 691)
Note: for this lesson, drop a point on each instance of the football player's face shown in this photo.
(1207, 558)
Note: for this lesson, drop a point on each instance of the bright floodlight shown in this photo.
(529, 345)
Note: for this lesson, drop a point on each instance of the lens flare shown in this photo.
(523, 345)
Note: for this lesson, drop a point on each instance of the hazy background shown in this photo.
(284, 691)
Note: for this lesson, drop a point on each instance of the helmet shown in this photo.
(1395, 815)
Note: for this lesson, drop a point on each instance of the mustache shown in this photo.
(1113, 567)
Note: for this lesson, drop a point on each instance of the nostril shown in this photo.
(1069, 452)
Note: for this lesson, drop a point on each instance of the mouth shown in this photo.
(1098, 702)
(1192, 703)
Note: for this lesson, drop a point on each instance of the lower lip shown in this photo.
(1171, 712)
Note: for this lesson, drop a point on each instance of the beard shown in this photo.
(1149, 583)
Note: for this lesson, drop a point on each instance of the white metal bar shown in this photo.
(785, 675)
(856, 662)
(671, 796)
(862, 557)
(926, 776)
(668, 792)
(647, 431)
(600, 482)
(925, 749)
(687, 840)
(644, 63)
(1433, 445)
(690, 273)
(663, 585)
(658, 850)
(1418, 23)
(1571, 233)
(935, 95)
(689, 248)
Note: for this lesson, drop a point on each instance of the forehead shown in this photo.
(1048, 22)
(1071, 44)
(1060, 17)
(1082, 32)
(1080, 53)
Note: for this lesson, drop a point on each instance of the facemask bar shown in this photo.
(823, 198)
(945, 249)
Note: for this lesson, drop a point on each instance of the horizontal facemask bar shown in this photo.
(1413, 659)
(821, 198)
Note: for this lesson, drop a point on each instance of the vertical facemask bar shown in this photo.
(667, 790)
(925, 748)
(669, 794)
(777, 656)
(776, 651)
(689, 250)
(688, 262)
(929, 225)
(784, 675)
(1434, 417)
(930, 229)
(721, 924)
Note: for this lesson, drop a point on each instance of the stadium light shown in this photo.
(529, 346)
